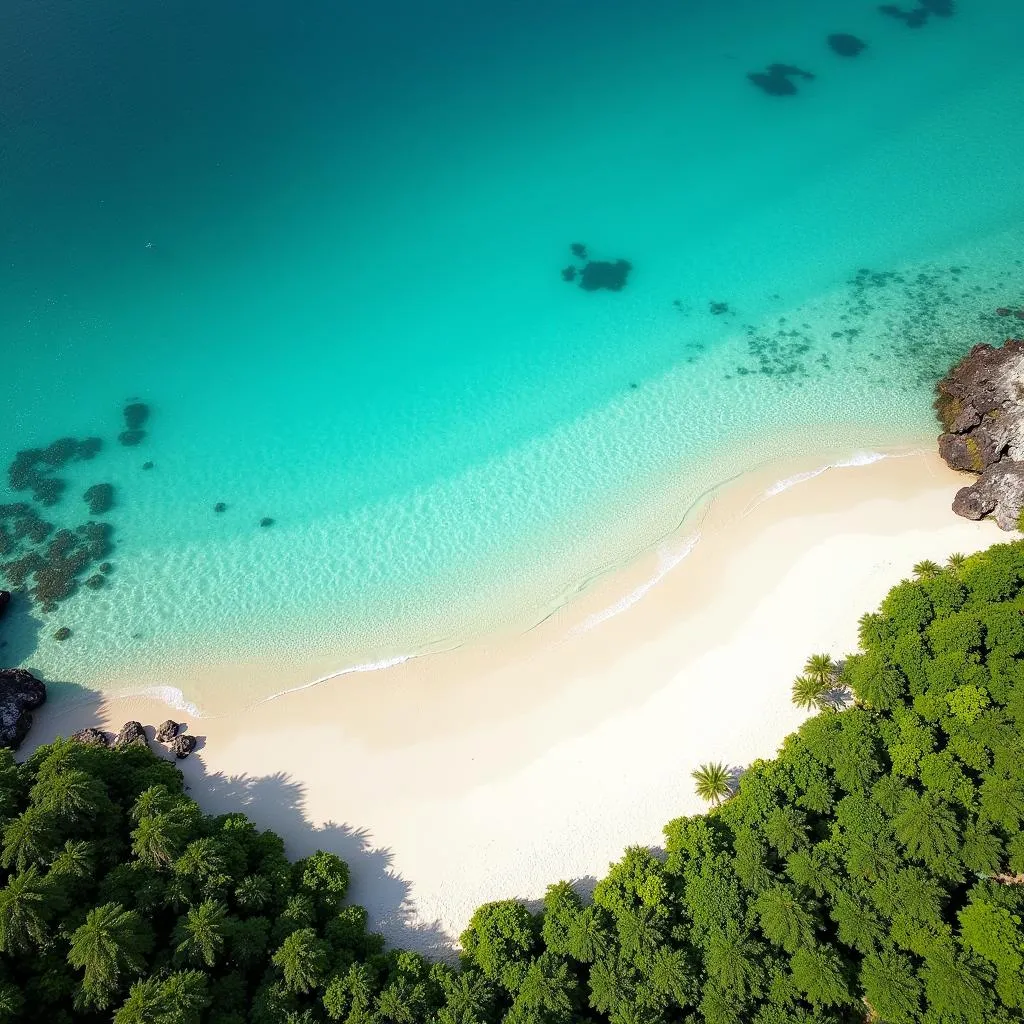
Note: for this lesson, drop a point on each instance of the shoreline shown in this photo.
(494, 769)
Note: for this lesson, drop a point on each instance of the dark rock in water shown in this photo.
(166, 731)
(914, 18)
(131, 732)
(105, 567)
(100, 498)
(183, 745)
(940, 8)
(89, 448)
(598, 274)
(718, 308)
(846, 45)
(147, 465)
(32, 468)
(266, 521)
(5, 600)
(579, 250)
(20, 694)
(130, 438)
(135, 415)
(980, 403)
(62, 634)
(777, 80)
(568, 273)
(91, 737)
(96, 581)
(220, 507)
(19, 508)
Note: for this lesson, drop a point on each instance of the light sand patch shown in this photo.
(493, 770)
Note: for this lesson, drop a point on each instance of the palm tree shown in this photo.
(821, 668)
(956, 560)
(927, 569)
(200, 936)
(179, 998)
(22, 909)
(303, 960)
(157, 839)
(151, 801)
(110, 945)
(808, 693)
(28, 839)
(714, 782)
(75, 859)
(70, 795)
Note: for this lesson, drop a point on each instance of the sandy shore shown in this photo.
(495, 769)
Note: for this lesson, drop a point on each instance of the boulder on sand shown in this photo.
(20, 694)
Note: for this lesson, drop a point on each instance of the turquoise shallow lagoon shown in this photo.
(325, 242)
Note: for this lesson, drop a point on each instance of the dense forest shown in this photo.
(873, 870)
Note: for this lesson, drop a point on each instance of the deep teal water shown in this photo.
(324, 243)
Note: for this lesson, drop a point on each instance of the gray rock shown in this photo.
(981, 405)
(166, 731)
(131, 732)
(183, 745)
(20, 694)
(91, 737)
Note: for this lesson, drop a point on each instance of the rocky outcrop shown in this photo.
(131, 732)
(166, 731)
(981, 405)
(183, 745)
(20, 694)
(91, 737)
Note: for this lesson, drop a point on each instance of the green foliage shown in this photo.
(868, 872)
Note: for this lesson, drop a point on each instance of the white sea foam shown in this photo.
(667, 561)
(171, 696)
(857, 459)
(371, 666)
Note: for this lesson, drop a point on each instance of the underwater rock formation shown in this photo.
(135, 415)
(846, 45)
(32, 467)
(220, 507)
(980, 405)
(100, 498)
(130, 438)
(778, 79)
(62, 634)
(20, 694)
(919, 15)
(266, 521)
(599, 274)
(569, 273)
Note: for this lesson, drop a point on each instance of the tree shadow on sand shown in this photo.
(275, 802)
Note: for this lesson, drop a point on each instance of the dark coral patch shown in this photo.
(569, 273)
(579, 250)
(220, 507)
(846, 45)
(130, 438)
(135, 415)
(100, 498)
(778, 79)
(62, 634)
(718, 308)
(266, 521)
(605, 274)
(914, 18)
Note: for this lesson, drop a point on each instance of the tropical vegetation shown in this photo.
(872, 871)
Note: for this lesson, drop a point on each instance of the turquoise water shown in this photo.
(324, 244)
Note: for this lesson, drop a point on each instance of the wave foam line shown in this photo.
(668, 563)
(169, 695)
(857, 459)
(371, 666)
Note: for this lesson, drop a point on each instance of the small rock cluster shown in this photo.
(596, 275)
(980, 403)
(133, 734)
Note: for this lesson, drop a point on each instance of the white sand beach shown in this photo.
(493, 770)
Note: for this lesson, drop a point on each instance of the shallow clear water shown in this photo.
(325, 246)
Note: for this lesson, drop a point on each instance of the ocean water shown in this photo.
(324, 244)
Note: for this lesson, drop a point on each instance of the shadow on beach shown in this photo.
(275, 802)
